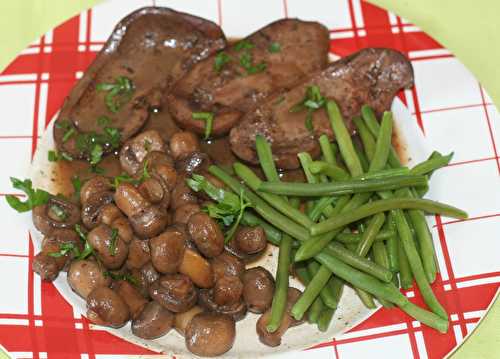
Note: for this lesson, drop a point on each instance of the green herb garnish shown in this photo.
(96, 154)
(124, 177)
(59, 212)
(77, 185)
(68, 134)
(64, 249)
(112, 243)
(103, 121)
(87, 250)
(243, 45)
(312, 101)
(246, 61)
(36, 197)
(221, 59)
(274, 47)
(127, 277)
(52, 156)
(229, 208)
(208, 117)
(118, 93)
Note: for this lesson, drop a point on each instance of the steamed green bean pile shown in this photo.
(358, 220)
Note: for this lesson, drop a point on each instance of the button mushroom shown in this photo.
(196, 162)
(94, 186)
(132, 297)
(160, 166)
(167, 250)
(197, 268)
(149, 272)
(206, 234)
(228, 290)
(109, 213)
(174, 292)
(227, 264)
(183, 213)
(183, 143)
(250, 240)
(46, 266)
(183, 319)
(106, 307)
(274, 339)
(92, 207)
(155, 192)
(210, 334)
(57, 213)
(258, 289)
(237, 309)
(153, 322)
(124, 228)
(135, 150)
(147, 220)
(109, 248)
(62, 245)
(138, 253)
(85, 275)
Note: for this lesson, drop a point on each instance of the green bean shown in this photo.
(374, 127)
(380, 257)
(305, 278)
(326, 293)
(368, 236)
(278, 306)
(383, 205)
(325, 319)
(343, 139)
(358, 262)
(416, 265)
(383, 145)
(311, 291)
(432, 164)
(365, 164)
(405, 275)
(321, 207)
(392, 244)
(340, 188)
(428, 318)
(261, 207)
(315, 310)
(383, 235)
(337, 287)
(265, 156)
(327, 149)
(334, 172)
(366, 137)
(385, 173)
(254, 182)
(361, 280)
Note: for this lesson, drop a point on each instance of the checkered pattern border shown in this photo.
(449, 105)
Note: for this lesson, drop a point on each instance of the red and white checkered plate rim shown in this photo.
(451, 108)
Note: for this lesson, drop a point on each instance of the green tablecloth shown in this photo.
(470, 29)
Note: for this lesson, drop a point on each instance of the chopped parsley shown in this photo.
(112, 242)
(59, 212)
(96, 154)
(77, 185)
(312, 101)
(246, 61)
(93, 145)
(208, 117)
(53, 156)
(118, 93)
(124, 177)
(243, 45)
(229, 208)
(64, 249)
(68, 134)
(36, 197)
(87, 250)
(274, 47)
(126, 277)
(103, 121)
(221, 59)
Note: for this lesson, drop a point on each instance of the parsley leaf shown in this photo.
(118, 93)
(274, 47)
(246, 61)
(208, 117)
(87, 250)
(103, 121)
(312, 101)
(36, 197)
(66, 248)
(77, 185)
(112, 243)
(59, 212)
(96, 154)
(229, 208)
(125, 177)
(68, 134)
(53, 156)
(127, 277)
(221, 59)
(243, 45)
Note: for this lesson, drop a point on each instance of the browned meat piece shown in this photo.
(370, 76)
(271, 59)
(152, 47)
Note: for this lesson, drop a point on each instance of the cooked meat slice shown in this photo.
(148, 51)
(370, 76)
(231, 82)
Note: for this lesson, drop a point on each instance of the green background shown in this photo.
(470, 29)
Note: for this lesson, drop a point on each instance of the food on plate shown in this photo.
(165, 228)
(293, 120)
(212, 97)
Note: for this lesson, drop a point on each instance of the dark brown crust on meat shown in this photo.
(230, 93)
(371, 76)
(143, 53)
